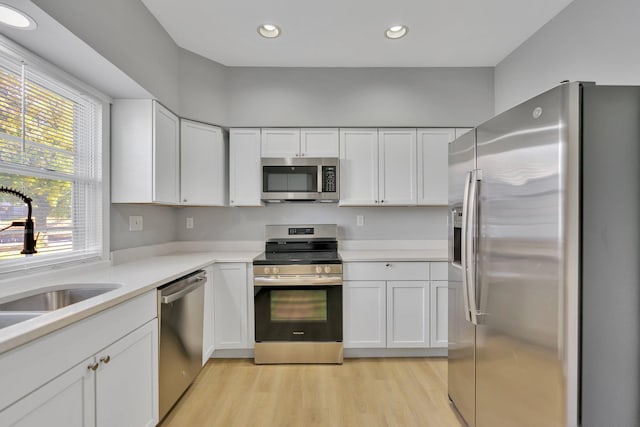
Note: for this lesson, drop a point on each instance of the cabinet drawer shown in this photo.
(386, 270)
(439, 271)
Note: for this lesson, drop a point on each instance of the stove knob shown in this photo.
(318, 269)
(327, 269)
(267, 270)
(276, 270)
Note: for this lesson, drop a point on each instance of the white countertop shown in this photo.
(139, 270)
(135, 278)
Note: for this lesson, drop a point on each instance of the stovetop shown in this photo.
(285, 258)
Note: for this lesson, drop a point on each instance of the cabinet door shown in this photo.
(166, 155)
(127, 380)
(408, 314)
(439, 310)
(397, 167)
(358, 167)
(230, 306)
(280, 142)
(321, 142)
(67, 400)
(208, 337)
(203, 166)
(433, 164)
(245, 176)
(364, 314)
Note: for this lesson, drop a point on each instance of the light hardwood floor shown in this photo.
(361, 392)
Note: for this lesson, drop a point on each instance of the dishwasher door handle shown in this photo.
(196, 282)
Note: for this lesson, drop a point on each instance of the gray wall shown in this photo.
(398, 223)
(203, 91)
(159, 225)
(126, 34)
(360, 96)
(129, 36)
(591, 40)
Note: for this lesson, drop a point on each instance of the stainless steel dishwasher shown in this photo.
(181, 314)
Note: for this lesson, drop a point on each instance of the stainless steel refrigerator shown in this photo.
(544, 262)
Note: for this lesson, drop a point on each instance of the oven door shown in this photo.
(298, 313)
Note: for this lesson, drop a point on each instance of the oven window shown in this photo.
(290, 179)
(299, 305)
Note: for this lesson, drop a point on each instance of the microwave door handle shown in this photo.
(320, 179)
(463, 251)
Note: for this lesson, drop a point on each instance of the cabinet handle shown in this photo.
(381, 201)
(184, 200)
(93, 366)
(387, 265)
(375, 201)
(232, 201)
(302, 155)
(106, 359)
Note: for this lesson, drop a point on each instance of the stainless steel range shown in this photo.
(298, 296)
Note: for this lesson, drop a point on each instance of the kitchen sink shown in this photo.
(51, 299)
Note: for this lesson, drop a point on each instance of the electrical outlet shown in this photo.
(189, 223)
(135, 223)
(359, 220)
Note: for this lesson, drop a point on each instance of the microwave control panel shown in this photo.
(328, 179)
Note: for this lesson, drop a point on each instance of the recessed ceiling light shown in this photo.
(16, 18)
(269, 31)
(396, 32)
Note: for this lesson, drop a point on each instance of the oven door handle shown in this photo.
(300, 280)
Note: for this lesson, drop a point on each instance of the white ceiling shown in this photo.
(350, 33)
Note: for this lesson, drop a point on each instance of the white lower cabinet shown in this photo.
(208, 330)
(403, 310)
(127, 380)
(68, 401)
(407, 314)
(439, 314)
(364, 318)
(230, 306)
(101, 371)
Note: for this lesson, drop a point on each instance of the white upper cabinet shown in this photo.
(433, 161)
(245, 176)
(306, 142)
(280, 142)
(319, 142)
(144, 153)
(203, 165)
(397, 167)
(358, 167)
(378, 167)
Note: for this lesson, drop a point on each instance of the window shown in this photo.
(50, 150)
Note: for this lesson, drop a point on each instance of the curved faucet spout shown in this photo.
(29, 246)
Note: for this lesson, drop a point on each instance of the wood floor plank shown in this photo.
(389, 392)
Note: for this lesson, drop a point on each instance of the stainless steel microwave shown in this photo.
(301, 179)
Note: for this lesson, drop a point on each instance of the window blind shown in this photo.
(50, 150)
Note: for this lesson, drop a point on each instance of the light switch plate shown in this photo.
(359, 220)
(189, 223)
(135, 223)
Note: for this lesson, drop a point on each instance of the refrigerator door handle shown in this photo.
(471, 237)
(463, 255)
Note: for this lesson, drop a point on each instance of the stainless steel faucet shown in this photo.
(29, 246)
